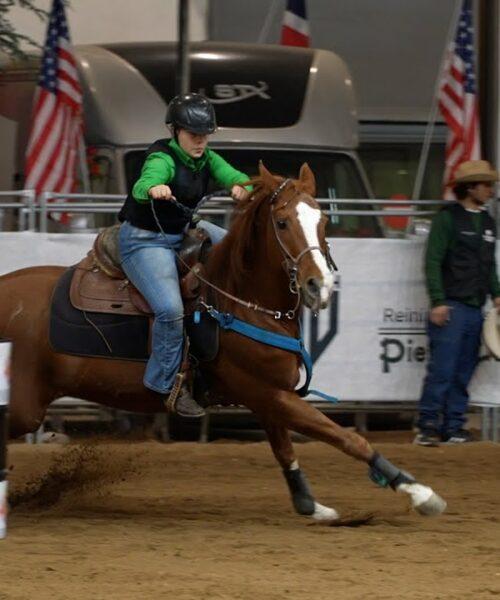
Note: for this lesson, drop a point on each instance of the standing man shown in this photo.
(460, 271)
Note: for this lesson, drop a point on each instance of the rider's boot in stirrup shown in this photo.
(179, 400)
(186, 405)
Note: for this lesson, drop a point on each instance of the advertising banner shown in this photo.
(370, 344)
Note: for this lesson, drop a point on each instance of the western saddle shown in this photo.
(100, 285)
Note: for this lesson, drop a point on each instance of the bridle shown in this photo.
(291, 263)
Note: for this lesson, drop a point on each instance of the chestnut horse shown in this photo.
(274, 257)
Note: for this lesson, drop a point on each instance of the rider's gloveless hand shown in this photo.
(160, 192)
(238, 192)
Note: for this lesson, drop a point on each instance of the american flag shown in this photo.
(295, 30)
(458, 100)
(56, 129)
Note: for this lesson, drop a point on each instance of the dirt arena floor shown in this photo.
(189, 521)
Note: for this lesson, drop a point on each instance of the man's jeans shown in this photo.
(148, 260)
(454, 353)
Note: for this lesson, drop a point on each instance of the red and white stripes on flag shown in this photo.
(295, 30)
(56, 136)
(458, 99)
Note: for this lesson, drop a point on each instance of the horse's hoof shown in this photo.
(423, 499)
(324, 513)
(435, 505)
(53, 437)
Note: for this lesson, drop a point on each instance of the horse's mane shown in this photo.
(232, 255)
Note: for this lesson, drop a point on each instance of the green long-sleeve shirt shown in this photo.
(441, 239)
(159, 168)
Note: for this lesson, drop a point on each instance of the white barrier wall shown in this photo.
(378, 345)
(380, 348)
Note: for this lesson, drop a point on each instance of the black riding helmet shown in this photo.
(192, 112)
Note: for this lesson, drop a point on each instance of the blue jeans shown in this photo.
(454, 354)
(148, 260)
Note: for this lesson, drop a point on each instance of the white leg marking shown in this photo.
(324, 513)
(424, 500)
(309, 218)
(294, 466)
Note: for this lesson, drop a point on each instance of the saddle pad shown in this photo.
(87, 333)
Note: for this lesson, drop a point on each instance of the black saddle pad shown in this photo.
(73, 331)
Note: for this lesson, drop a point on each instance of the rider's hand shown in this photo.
(440, 315)
(160, 192)
(239, 193)
(496, 302)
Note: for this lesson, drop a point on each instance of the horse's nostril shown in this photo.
(313, 286)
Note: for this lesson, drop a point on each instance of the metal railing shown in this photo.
(26, 206)
(54, 202)
(31, 211)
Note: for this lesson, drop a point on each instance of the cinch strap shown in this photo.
(284, 342)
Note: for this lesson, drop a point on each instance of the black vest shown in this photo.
(467, 269)
(187, 186)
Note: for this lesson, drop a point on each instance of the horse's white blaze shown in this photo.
(309, 218)
(324, 513)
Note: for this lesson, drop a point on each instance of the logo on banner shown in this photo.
(321, 330)
(402, 337)
(225, 93)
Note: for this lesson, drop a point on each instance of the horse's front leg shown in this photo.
(300, 490)
(296, 414)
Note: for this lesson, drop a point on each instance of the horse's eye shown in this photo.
(281, 224)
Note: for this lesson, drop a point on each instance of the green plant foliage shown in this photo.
(10, 39)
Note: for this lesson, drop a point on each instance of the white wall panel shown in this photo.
(99, 21)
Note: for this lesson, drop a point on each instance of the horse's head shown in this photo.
(297, 231)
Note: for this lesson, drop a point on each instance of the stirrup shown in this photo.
(171, 400)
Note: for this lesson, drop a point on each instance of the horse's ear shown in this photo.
(267, 177)
(306, 178)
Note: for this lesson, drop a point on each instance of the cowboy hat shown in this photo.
(491, 332)
(476, 171)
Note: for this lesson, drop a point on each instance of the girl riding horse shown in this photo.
(180, 169)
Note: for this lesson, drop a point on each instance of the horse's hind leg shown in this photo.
(29, 399)
(300, 490)
(297, 415)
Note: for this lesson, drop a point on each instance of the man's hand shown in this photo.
(496, 302)
(440, 315)
(239, 193)
(160, 192)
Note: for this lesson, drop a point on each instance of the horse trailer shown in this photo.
(281, 105)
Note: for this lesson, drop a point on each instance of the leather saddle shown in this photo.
(99, 284)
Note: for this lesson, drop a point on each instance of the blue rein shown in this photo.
(285, 342)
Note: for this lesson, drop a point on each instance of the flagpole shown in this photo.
(424, 153)
(183, 77)
(264, 32)
(84, 168)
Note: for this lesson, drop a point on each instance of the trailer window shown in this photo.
(392, 167)
(337, 176)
